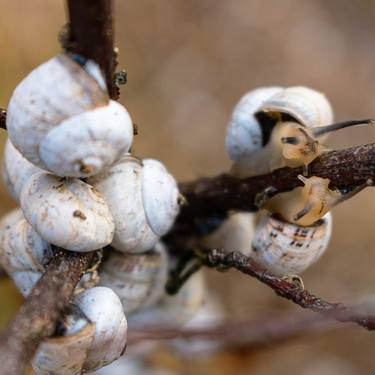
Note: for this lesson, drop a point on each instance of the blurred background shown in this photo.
(188, 63)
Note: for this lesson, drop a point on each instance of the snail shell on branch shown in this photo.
(289, 249)
(67, 213)
(288, 120)
(244, 132)
(23, 253)
(61, 119)
(174, 310)
(138, 279)
(16, 170)
(143, 199)
(96, 336)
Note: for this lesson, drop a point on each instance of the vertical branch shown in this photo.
(91, 35)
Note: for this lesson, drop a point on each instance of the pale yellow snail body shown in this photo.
(290, 116)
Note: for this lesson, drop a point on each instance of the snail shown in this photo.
(138, 279)
(306, 205)
(61, 119)
(288, 249)
(292, 122)
(24, 254)
(235, 233)
(67, 212)
(94, 335)
(16, 170)
(144, 200)
(173, 311)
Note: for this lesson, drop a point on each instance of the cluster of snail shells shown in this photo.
(63, 128)
(296, 228)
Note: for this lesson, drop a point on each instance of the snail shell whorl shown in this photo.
(23, 253)
(102, 306)
(285, 249)
(67, 212)
(138, 279)
(244, 133)
(309, 107)
(143, 202)
(16, 170)
(62, 120)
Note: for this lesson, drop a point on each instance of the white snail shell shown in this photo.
(96, 338)
(143, 199)
(174, 310)
(16, 170)
(309, 107)
(67, 213)
(61, 119)
(138, 279)
(244, 132)
(234, 234)
(289, 249)
(23, 253)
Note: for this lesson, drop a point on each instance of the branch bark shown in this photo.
(41, 311)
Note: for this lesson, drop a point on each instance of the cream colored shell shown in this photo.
(67, 213)
(23, 253)
(16, 170)
(95, 339)
(143, 199)
(60, 119)
(309, 107)
(244, 132)
(138, 279)
(289, 249)
(173, 311)
(234, 234)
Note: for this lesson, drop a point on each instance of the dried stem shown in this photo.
(3, 116)
(39, 314)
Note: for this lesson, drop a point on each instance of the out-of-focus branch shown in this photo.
(3, 116)
(39, 314)
(219, 258)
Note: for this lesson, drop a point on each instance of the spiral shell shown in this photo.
(67, 212)
(16, 170)
(173, 311)
(244, 133)
(138, 279)
(60, 119)
(143, 199)
(307, 106)
(23, 253)
(289, 249)
(96, 338)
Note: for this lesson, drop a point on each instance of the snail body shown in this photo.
(16, 170)
(61, 119)
(291, 116)
(96, 338)
(138, 279)
(143, 199)
(67, 213)
(289, 249)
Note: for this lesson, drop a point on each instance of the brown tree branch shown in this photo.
(3, 116)
(39, 314)
(219, 258)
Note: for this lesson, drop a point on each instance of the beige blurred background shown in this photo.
(188, 63)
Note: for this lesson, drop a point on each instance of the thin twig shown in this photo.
(39, 314)
(284, 289)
